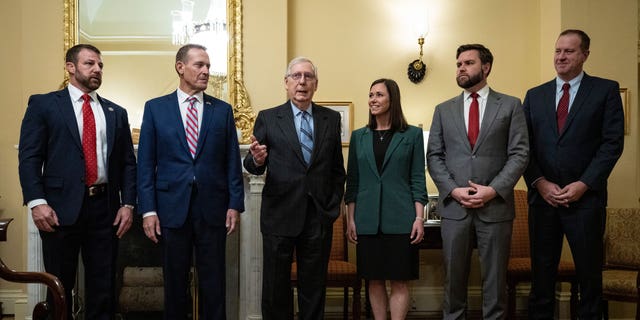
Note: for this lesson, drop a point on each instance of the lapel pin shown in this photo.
(110, 109)
(207, 102)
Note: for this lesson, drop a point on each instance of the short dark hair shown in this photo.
(483, 52)
(585, 40)
(181, 55)
(72, 53)
(396, 117)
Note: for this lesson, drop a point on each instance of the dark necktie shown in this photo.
(563, 107)
(89, 141)
(306, 137)
(474, 120)
(192, 126)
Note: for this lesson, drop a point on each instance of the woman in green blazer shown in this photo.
(385, 196)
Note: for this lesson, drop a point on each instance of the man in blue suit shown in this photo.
(576, 132)
(190, 185)
(77, 172)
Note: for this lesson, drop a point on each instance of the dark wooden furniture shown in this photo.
(42, 310)
(340, 273)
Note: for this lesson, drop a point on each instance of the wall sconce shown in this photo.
(417, 69)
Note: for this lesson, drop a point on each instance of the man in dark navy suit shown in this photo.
(190, 185)
(576, 132)
(78, 175)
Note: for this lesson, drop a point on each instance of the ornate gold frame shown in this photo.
(238, 96)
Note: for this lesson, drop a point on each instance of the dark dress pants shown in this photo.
(208, 243)
(584, 229)
(312, 247)
(94, 236)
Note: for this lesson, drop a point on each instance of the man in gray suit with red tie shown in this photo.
(190, 185)
(298, 145)
(576, 129)
(78, 176)
(477, 150)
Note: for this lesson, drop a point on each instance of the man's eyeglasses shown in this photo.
(298, 75)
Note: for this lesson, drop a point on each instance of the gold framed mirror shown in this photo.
(234, 89)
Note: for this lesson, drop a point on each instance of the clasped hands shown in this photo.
(560, 197)
(474, 196)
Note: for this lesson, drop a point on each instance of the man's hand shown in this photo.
(151, 226)
(258, 151)
(44, 217)
(232, 220)
(570, 193)
(485, 193)
(549, 191)
(464, 196)
(124, 219)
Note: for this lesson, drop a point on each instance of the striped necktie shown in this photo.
(306, 137)
(192, 126)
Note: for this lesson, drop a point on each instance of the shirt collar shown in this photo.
(183, 96)
(573, 82)
(295, 109)
(76, 94)
(482, 93)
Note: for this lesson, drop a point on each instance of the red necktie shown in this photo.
(474, 120)
(192, 126)
(563, 107)
(89, 141)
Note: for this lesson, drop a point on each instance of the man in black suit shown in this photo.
(78, 175)
(298, 144)
(576, 132)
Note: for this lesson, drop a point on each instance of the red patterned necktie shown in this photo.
(563, 107)
(89, 141)
(192, 126)
(474, 120)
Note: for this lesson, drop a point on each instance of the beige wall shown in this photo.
(353, 43)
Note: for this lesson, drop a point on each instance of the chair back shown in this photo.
(338, 241)
(622, 238)
(520, 234)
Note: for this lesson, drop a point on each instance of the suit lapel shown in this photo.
(66, 109)
(549, 105)
(288, 128)
(490, 113)
(586, 85)
(175, 119)
(366, 141)
(110, 119)
(320, 125)
(207, 119)
(393, 145)
(457, 109)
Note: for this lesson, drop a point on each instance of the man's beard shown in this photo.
(92, 83)
(472, 81)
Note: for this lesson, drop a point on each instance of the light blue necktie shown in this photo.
(306, 137)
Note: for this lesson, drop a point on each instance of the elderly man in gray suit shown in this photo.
(478, 149)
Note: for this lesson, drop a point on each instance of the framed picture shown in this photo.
(624, 95)
(346, 118)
